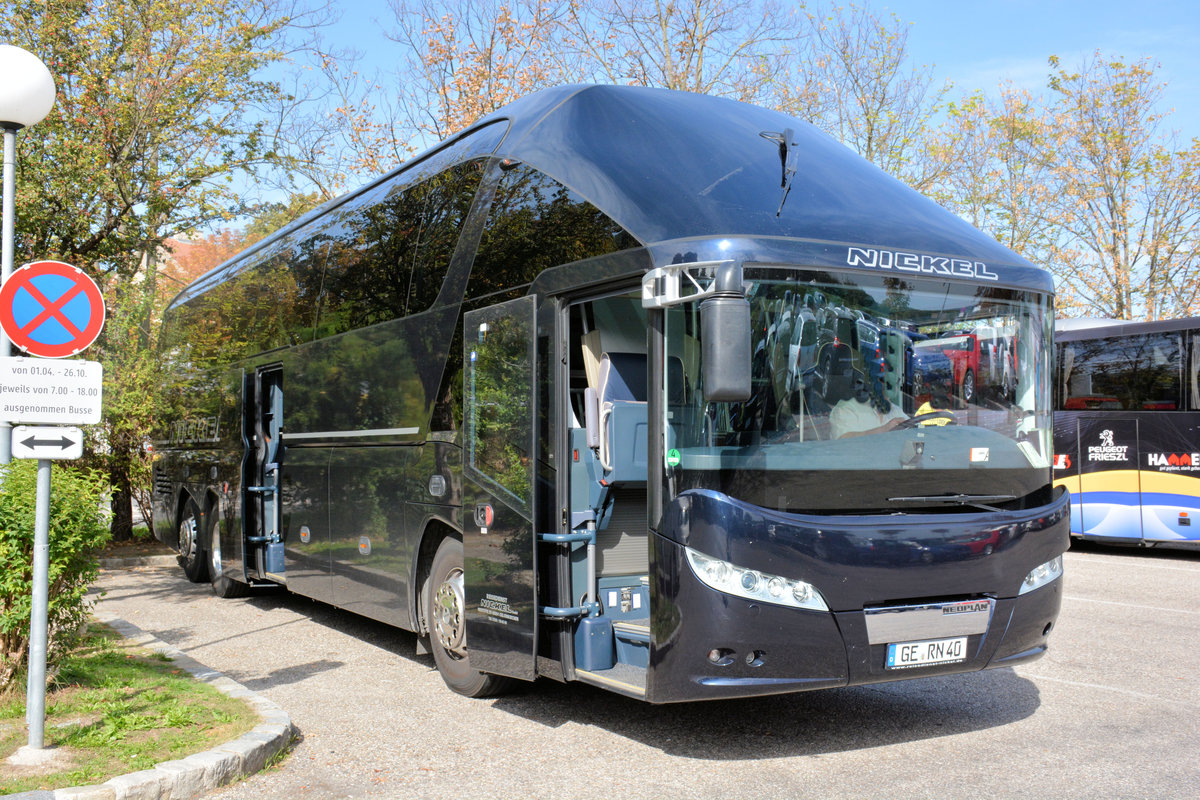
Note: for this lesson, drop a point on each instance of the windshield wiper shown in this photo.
(787, 158)
(976, 500)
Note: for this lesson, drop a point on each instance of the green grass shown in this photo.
(115, 709)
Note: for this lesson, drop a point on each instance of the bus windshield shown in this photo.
(870, 393)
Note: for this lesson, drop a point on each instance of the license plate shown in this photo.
(928, 653)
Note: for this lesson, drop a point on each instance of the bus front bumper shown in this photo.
(920, 572)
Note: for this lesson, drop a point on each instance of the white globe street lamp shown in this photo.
(26, 97)
(27, 93)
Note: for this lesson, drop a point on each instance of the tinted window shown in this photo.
(270, 301)
(536, 223)
(500, 391)
(389, 248)
(378, 256)
(1130, 373)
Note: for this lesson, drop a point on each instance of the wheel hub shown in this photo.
(448, 614)
(188, 538)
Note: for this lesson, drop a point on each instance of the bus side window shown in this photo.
(391, 255)
(535, 223)
(1194, 374)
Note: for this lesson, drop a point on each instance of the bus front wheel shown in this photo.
(222, 584)
(447, 626)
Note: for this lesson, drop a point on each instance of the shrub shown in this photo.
(78, 529)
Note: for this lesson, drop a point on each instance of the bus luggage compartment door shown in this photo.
(499, 467)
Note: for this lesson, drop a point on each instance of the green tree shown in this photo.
(467, 58)
(462, 60)
(857, 83)
(733, 48)
(997, 161)
(1125, 195)
(159, 108)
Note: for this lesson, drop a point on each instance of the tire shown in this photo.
(192, 554)
(447, 626)
(222, 584)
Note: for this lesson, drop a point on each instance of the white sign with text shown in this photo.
(50, 391)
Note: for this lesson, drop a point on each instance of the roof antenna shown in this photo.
(787, 160)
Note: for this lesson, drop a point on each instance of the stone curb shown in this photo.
(138, 561)
(199, 773)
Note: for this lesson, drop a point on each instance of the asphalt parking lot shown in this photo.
(1112, 711)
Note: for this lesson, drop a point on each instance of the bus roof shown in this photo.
(1067, 329)
(669, 165)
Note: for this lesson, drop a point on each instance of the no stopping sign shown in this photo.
(51, 309)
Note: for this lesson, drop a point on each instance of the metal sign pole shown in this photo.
(35, 697)
(43, 390)
(6, 257)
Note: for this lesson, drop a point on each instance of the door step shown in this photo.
(622, 678)
(633, 642)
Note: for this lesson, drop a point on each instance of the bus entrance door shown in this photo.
(1110, 492)
(499, 470)
(262, 480)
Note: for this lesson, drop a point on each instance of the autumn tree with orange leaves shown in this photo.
(1088, 182)
(160, 106)
(1127, 215)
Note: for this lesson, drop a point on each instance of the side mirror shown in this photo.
(725, 331)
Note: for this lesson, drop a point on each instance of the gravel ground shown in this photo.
(1111, 712)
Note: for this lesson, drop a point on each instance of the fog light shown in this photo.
(720, 656)
(753, 585)
(1041, 575)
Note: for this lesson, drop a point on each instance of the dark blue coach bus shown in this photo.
(621, 386)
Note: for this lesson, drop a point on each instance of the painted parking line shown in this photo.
(1127, 562)
(1139, 606)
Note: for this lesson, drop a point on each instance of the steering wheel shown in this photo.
(913, 422)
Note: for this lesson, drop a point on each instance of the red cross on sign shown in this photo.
(51, 309)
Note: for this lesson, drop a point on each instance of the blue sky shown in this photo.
(977, 44)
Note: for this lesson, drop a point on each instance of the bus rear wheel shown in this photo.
(222, 584)
(191, 544)
(447, 626)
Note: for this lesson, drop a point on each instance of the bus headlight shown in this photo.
(1041, 575)
(754, 585)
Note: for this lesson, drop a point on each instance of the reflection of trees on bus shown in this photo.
(259, 309)
(1133, 373)
(902, 344)
(534, 223)
(499, 381)
(388, 257)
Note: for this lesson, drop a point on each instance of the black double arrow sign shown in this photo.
(33, 443)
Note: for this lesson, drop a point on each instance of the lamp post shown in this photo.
(26, 97)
